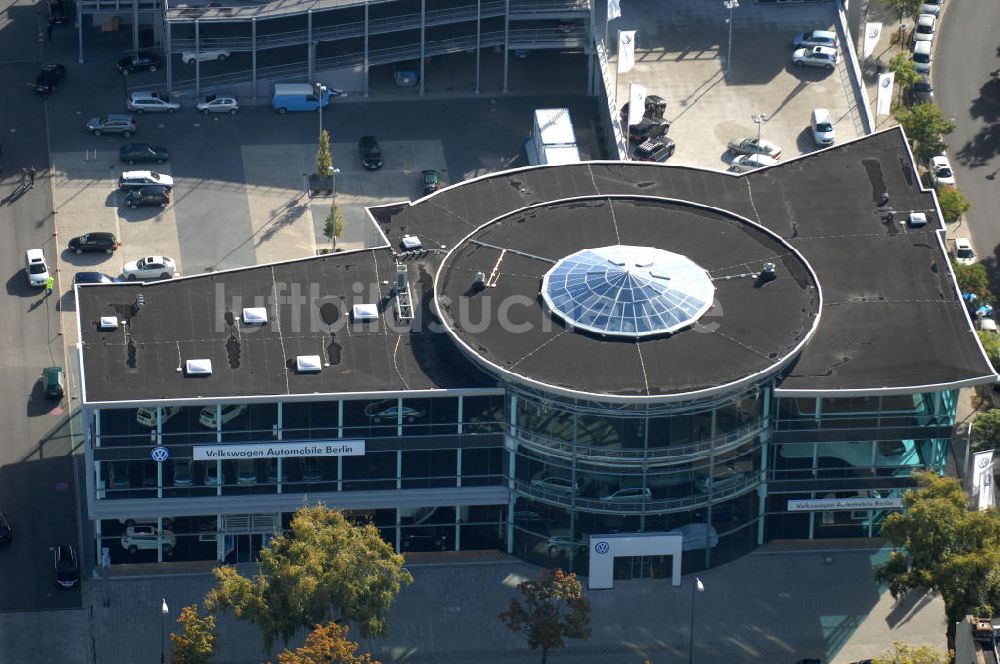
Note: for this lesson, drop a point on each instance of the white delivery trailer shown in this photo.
(552, 139)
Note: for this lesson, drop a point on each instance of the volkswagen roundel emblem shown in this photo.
(602, 547)
(626, 39)
(886, 82)
(985, 461)
(873, 33)
(160, 454)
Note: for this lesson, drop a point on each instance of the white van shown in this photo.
(822, 127)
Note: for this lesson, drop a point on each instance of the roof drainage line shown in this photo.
(395, 365)
(642, 363)
(752, 204)
(614, 220)
(593, 180)
(530, 353)
(480, 243)
(277, 325)
(742, 345)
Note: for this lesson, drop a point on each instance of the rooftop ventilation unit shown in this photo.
(108, 323)
(201, 367)
(254, 315)
(404, 300)
(308, 364)
(917, 219)
(411, 242)
(365, 312)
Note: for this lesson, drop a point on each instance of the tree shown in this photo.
(943, 547)
(333, 227)
(991, 344)
(953, 204)
(986, 429)
(904, 8)
(905, 71)
(196, 643)
(974, 279)
(924, 125)
(901, 653)
(554, 608)
(327, 644)
(324, 568)
(324, 161)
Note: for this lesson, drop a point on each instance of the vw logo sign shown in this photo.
(886, 82)
(160, 454)
(874, 32)
(984, 461)
(602, 547)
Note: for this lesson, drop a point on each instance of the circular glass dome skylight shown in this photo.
(628, 291)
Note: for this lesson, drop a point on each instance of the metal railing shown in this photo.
(118, 6)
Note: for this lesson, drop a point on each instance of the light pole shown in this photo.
(698, 587)
(759, 119)
(334, 172)
(730, 5)
(322, 96)
(163, 619)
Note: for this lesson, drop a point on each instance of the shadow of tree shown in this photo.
(282, 217)
(986, 143)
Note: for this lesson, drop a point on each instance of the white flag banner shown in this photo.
(980, 462)
(986, 499)
(636, 103)
(872, 32)
(883, 104)
(614, 9)
(626, 50)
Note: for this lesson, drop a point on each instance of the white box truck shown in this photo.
(552, 139)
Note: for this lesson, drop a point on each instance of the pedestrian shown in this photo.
(24, 176)
(50, 284)
(50, 27)
(32, 173)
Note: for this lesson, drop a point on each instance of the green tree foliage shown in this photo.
(327, 644)
(904, 7)
(324, 568)
(924, 125)
(900, 653)
(196, 642)
(906, 72)
(553, 609)
(333, 226)
(953, 204)
(974, 279)
(943, 547)
(324, 160)
(991, 344)
(986, 429)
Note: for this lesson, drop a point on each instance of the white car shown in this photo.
(963, 251)
(150, 267)
(554, 484)
(751, 162)
(139, 179)
(154, 102)
(633, 494)
(922, 56)
(696, 536)
(220, 103)
(822, 127)
(147, 537)
(925, 28)
(941, 172)
(932, 7)
(753, 146)
(817, 56)
(189, 56)
(816, 38)
(147, 416)
(855, 453)
(230, 412)
(35, 268)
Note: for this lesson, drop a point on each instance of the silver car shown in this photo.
(751, 162)
(219, 103)
(817, 56)
(815, 38)
(753, 146)
(153, 102)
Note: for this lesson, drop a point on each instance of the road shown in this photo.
(967, 88)
(37, 483)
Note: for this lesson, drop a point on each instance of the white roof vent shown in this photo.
(917, 219)
(364, 312)
(254, 315)
(108, 323)
(199, 367)
(411, 242)
(308, 364)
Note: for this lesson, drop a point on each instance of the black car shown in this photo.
(94, 278)
(57, 12)
(54, 381)
(106, 242)
(431, 180)
(135, 153)
(153, 195)
(51, 74)
(371, 153)
(648, 128)
(142, 62)
(655, 149)
(922, 92)
(66, 567)
(6, 530)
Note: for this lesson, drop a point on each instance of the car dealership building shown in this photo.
(543, 355)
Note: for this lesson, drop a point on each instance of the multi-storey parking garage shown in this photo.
(544, 355)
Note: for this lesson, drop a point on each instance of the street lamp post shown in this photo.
(334, 172)
(759, 119)
(322, 96)
(698, 587)
(730, 5)
(163, 619)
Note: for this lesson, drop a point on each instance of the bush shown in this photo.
(953, 204)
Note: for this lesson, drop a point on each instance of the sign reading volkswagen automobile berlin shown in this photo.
(834, 504)
(309, 448)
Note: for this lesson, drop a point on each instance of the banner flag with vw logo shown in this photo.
(872, 32)
(626, 51)
(884, 103)
(982, 463)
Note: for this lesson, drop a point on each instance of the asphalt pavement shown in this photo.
(967, 88)
(37, 485)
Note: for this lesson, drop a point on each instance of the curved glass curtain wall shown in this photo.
(585, 468)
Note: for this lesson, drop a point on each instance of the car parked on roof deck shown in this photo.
(751, 162)
(46, 81)
(817, 56)
(154, 102)
(655, 149)
(129, 64)
(149, 196)
(189, 56)
(219, 103)
(754, 146)
(65, 566)
(816, 38)
(91, 242)
(150, 267)
(112, 123)
(134, 153)
(136, 179)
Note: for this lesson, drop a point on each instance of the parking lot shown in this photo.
(685, 60)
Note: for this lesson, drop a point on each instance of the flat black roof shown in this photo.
(891, 318)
